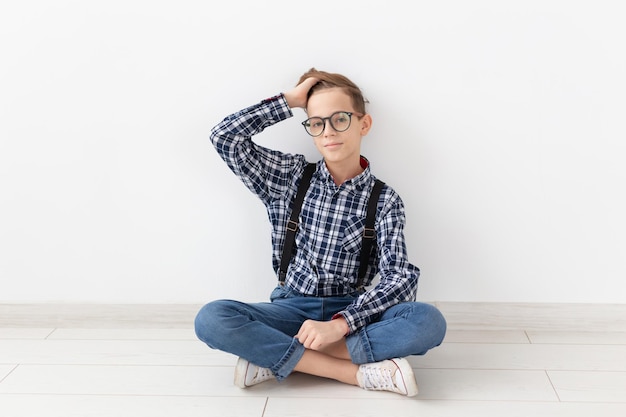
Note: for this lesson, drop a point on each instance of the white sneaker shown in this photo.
(395, 375)
(248, 374)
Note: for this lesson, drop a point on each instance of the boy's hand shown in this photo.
(317, 335)
(297, 97)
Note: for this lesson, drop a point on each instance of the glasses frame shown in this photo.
(329, 118)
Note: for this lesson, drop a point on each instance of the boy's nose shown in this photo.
(328, 129)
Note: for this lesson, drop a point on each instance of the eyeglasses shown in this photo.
(339, 121)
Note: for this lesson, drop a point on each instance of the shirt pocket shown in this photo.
(353, 234)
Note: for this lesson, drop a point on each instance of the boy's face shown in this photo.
(338, 147)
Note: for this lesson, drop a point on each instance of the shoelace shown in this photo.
(379, 378)
(262, 374)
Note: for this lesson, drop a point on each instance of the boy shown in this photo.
(320, 320)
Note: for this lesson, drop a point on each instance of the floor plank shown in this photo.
(578, 337)
(15, 405)
(112, 352)
(524, 356)
(296, 407)
(589, 386)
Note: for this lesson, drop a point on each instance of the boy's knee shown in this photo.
(207, 320)
(431, 323)
(439, 323)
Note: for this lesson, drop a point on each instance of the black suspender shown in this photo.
(369, 232)
(292, 224)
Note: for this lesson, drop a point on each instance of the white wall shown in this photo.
(501, 123)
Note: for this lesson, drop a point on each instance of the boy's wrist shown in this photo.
(341, 323)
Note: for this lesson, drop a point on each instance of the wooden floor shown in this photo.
(144, 360)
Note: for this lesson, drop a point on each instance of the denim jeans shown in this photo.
(263, 333)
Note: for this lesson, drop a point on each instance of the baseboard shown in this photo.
(459, 315)
(534, 316)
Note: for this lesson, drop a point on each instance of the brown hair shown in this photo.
(331, 80)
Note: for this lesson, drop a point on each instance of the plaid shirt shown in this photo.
(328, 240)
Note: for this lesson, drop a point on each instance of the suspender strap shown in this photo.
(369, 233)
(292, 224)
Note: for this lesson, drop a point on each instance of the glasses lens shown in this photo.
(340, 121)
(314, 126)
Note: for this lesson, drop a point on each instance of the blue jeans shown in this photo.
(263, 333)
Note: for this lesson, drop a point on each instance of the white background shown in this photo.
(500, 123)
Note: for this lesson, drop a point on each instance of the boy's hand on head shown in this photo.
(297, 97)
(316, 335)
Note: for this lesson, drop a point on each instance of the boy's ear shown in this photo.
(366, 124)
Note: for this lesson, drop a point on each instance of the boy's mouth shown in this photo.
(332, 145)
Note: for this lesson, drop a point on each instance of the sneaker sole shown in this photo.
(241, 369)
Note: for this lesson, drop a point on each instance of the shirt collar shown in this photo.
(357, 183)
